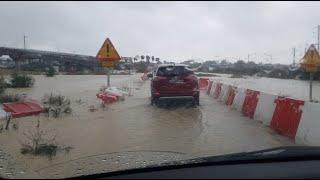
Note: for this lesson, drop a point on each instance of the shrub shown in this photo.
(3, 85)
(5, 98)
(37, 144)
(21, 80)
(56, 104)
(51, 72)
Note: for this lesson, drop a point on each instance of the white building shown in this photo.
(6, 61)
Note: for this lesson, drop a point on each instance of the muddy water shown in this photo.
(126, 134)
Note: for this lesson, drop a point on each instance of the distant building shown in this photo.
(6, 61)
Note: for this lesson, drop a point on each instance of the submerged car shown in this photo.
(174, 81)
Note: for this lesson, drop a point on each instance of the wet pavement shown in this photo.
(129, 133)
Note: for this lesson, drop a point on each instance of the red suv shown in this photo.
(174, 82)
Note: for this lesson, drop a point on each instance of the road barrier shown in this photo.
(209, 87)
(21, 109)
(293, 118)
(230, 95)
(239, 99)
(223, 94)
(265, 108)
(203, 83)
(106, 98)
(217, 90)
(250, 103)
(144, 77)
(308, 131)
(286, 116)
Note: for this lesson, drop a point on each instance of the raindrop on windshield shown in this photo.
(8, 173)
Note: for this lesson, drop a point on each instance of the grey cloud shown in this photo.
(169, 30)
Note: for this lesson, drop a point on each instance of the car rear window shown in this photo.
(173, 71)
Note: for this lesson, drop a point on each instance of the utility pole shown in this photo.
(248, 57)
(318, 37)
(24, 42)
(294, 56)
(20, 58)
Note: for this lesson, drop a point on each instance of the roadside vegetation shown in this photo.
(39, 142)
(21, 81)
(56, 105)
(50, 72)
(6, 97)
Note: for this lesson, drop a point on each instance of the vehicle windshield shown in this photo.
(98, 87)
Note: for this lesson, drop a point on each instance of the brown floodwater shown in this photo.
(125, 134)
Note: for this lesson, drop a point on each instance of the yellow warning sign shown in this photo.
(311, 60)
(107, 64)
(107, 52)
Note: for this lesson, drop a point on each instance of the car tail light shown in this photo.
(158, 78)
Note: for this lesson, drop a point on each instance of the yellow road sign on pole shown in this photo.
(311, 60)
(107, 52)
(311, 63)
(107, 56)
(107, 64)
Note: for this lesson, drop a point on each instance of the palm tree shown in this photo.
(142, 57)
(158, 60)
(152, 58)
(148, 59)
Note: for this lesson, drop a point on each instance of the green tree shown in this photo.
(21, 80)
(51, 72)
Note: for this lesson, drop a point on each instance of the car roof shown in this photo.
(164, 65)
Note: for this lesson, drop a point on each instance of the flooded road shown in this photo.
(126, 134)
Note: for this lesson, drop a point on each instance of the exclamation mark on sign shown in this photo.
(107, 50)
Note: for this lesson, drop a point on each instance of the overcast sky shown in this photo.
(169, 30)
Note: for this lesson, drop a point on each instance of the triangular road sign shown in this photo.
(311, 60)
(107, 52)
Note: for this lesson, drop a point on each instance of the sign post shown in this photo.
(311, 63)
(107, 57)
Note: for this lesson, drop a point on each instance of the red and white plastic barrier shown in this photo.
(106, 98)
(144, 77)
(230, 95)
(250, 103)
(203, 83)
(239, 98)
(209, 87)
(265, 108)
(223, 93)
(217, 90)
(308, 131)
(293, 118)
